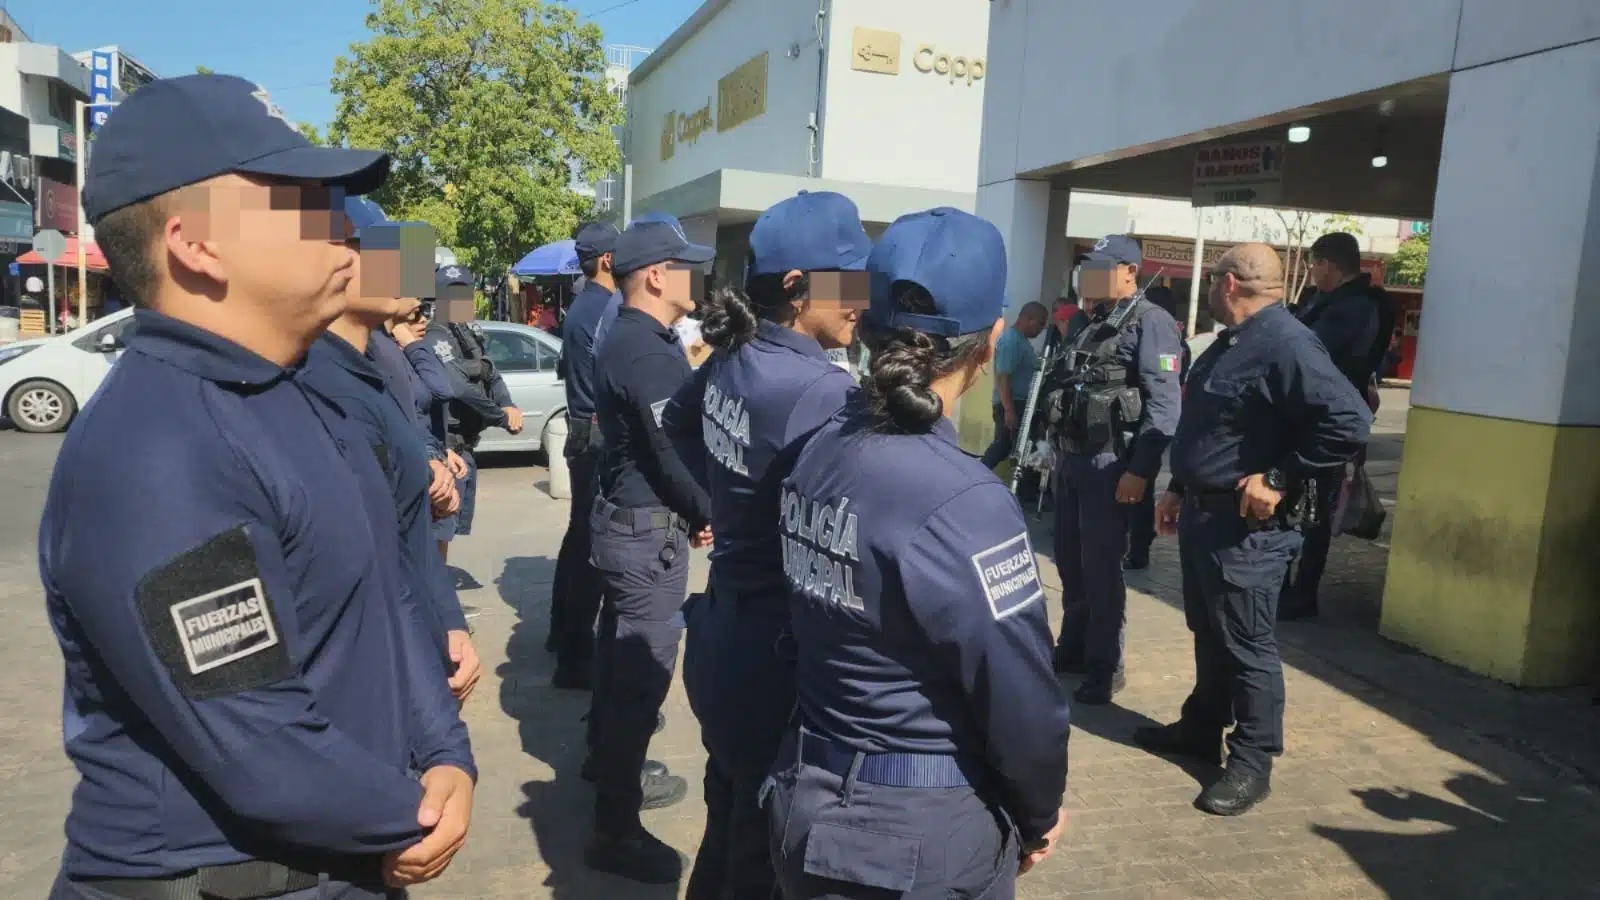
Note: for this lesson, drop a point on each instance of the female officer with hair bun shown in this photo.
(930, 754)
(768, 385)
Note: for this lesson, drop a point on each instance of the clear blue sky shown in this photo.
(288, 46)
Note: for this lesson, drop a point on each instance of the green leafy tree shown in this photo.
(1410, 260)
(204, 70)
(489, 108)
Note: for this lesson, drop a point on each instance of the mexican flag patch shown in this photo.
(1169, 362)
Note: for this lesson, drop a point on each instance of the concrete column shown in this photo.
(1021, 209)
(1492, 565)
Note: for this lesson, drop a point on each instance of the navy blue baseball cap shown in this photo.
(1116, 248)
(958, 258)
(174, 132)
(810, 232)
(362, 212)
(445, 276)
(656, 238)
(595, 239)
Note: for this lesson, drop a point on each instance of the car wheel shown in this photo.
(40, 407)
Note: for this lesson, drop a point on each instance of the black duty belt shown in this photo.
(1084, 448)
(250, 880)
(1223, 503)
(907, 770)
(642, 520)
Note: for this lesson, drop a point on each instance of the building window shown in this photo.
(63, 106)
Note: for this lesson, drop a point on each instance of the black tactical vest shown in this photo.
(1091, 404)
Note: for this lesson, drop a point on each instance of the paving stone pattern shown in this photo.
(1376, 796)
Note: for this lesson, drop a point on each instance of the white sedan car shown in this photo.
(526, 358)
(45, 381)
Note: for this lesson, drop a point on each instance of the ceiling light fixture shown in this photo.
(1379, 160)
(1299, 134)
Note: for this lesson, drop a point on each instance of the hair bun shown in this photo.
(728, 319)
(900, 386)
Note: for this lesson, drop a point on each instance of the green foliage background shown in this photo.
(489, 108)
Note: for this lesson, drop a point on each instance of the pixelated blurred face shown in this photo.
(278, 244)
(836, 302)
(682, 284)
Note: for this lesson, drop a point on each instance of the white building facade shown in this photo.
(752, 101)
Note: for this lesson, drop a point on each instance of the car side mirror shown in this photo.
(109, 343)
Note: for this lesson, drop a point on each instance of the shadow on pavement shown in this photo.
(1116, 724)
(1478, 843)
(550, 725)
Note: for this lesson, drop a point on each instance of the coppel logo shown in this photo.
(931, 60)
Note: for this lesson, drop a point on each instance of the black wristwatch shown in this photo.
(1275, 479)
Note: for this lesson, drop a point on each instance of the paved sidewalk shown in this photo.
(1375, 797)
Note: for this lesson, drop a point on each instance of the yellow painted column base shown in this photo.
(974, 416)
(1495, 560)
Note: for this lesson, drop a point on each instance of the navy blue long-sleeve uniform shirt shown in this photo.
(336, 370)
(1151, 351)
(580, 338)
(918, 612)
(745, 415)
(414, 375)
(640, 367)
(1265, 395)
(246, 672)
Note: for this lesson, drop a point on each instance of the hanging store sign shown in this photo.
(1238, 175)
(101, 66)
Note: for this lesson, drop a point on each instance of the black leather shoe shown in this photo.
(1234, 794)
(1068, 663)
(1178, 740)
(650, 768)
(572, 678)
(1136, 561)
(661, 791)
(639, 856)
(1097, 690)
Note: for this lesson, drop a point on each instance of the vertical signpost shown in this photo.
(102, 81)
(50, 244)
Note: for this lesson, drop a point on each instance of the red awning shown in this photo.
(93, 258)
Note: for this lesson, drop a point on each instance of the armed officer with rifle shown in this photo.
(481, 399)
(1112, 404)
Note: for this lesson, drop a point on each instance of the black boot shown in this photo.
(1234, 793)
(1178, 739)
(1097, 690)
(651, 768)
(638, 856)
(1067, 662)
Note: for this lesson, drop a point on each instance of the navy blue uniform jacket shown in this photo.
(336, 370)
(580, 340)
(745, 415)
(641, 366)
(1265, 395)
(918, 612)
(246, 673)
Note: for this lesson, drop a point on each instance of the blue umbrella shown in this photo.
(559, 258)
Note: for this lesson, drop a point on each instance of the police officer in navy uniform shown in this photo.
(768, 385)
(1269, 413)
(931, 750)
(481, 400)
(649, 511)
(575, 593)
(1142, 517)
(340, 368)
(1112, 418)
(248, 683)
